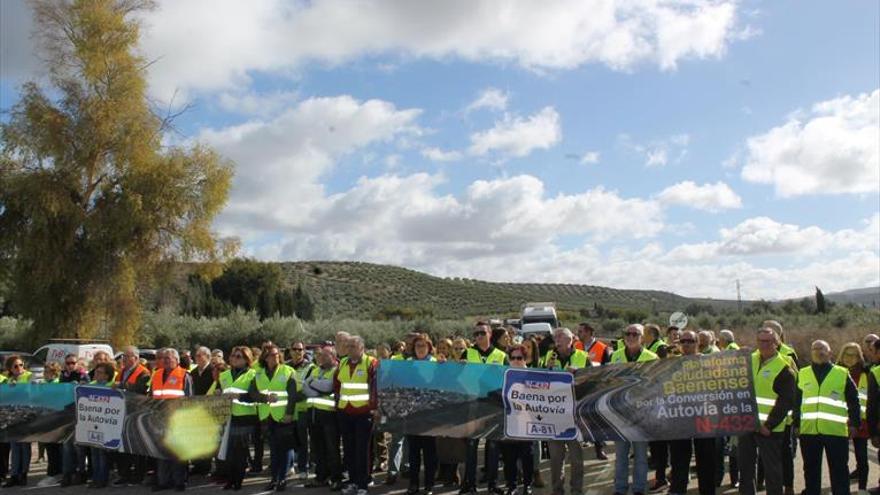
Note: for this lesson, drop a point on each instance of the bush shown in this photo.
(613, 326)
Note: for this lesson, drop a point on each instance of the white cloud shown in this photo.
(259, 104)
(280, 161)
(234, 39)
(439, 155)
(518, 137)
(708, 197)
(590, 157)
(489, 98)
(659, 152)
(833, 149)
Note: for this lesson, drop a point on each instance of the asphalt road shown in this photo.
(598, 480)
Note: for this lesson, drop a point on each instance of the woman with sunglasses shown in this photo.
(517, 451)
(239, 381)
(20, 452)
(277, 379)
(851, 358)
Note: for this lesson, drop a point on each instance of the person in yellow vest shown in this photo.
(632, 352)
(239, 382)
(323, 424)
(706, 342)
(564, 356)
(482, 352)
(17, 374)
(872, 414)
(170, 382)
(789, 447)
(658, 449)
(702, 449)
(727, 341)
(851, 358)
(784, 349)
(277, 380)
(827, 413)
(774, 383)
(301, 367)
(355, 388)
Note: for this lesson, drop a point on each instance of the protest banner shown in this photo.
(186, 428)
(539, 405)
(682, 397)
(100, 415)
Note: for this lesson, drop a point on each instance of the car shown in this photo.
(533, 329)
(57, 349)
(148, 354)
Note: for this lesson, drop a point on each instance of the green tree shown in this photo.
(92, 203)
(820, 301)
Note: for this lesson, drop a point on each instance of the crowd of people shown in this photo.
(318, 411)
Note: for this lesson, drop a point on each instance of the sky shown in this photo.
(644, 144)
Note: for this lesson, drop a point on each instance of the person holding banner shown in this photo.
(104, 372)
(421, 446)
(631, 352)
(851, 358)
(16, 373)
(774, 383)
(518, 451)
(135, 378)
(703, 449)
(170, 382)
(600, 355)
(827, 414)
(483, 352)
(565, 357)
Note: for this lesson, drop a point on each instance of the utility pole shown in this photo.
(739, 299)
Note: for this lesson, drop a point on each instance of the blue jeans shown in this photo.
(21, 458)
(73, 458)
(100, 467)
(280, 453)
(621, 467)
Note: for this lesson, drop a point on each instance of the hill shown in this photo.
(365, 290)
(868, 297)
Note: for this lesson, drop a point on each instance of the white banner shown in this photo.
(100, 414)
(539, 405)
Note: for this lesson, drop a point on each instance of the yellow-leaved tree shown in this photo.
(92, 202)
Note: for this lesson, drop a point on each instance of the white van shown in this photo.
(56, 349)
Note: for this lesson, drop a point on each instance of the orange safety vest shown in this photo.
(596, 351)
(173, 388)
(132, 378)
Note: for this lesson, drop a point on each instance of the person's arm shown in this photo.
(372, 377)
(784, 388)
(796, 408)
(187, 385)
(253, 394)
(662, 351)
(606, 355)
(293, 396)
(853, 408)
(336, 384)
(142, 384)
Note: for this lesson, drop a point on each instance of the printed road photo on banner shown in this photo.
(31, 412)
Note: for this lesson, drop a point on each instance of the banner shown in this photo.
(100, 415)
(36, 412)
(187, 428)
(679, 397)
(539, 405)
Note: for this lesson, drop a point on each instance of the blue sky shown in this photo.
(663, 145)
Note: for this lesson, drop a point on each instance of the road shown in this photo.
(598, 480)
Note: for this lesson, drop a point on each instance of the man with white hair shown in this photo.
(135, 378)
(706, 342)
(170, 382)
(726, 341)
(566, 357)
(355, 387)
(631, 352)
(826, 415)
(774, 382)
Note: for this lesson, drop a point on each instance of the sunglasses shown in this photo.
(18, 365)
(687, 341)
(517, 358)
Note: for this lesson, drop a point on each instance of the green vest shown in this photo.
(787, 350)
(278, 386)
(579, 359)
(3, 378)
(656, 345)
(823, 408)
(733, 346)
(300, 374)
(712, 349)
(397, 357)
(239, 386)
(863, 394)
(95, 383)
(354, 388)
(431, 359)
(324, 402)
(764, 376)
(497, 356)
(619, 356)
